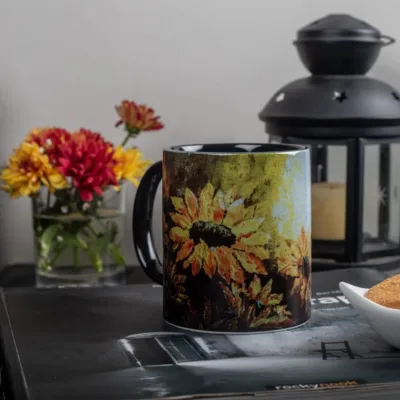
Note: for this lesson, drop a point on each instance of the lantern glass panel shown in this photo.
(328, 200)
(381, 199)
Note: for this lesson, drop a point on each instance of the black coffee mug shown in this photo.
(236, 226)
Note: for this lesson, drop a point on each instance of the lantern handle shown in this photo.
(387, 40)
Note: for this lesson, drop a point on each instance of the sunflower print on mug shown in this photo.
(294, 261)
(215, 233)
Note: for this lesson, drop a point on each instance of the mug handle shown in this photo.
(142, 223)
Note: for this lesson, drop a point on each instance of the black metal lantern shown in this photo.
(352, 124)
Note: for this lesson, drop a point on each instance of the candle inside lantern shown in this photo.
(328, 202)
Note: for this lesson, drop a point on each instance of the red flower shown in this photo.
(49, 139)
(88, 160)
(137, 117)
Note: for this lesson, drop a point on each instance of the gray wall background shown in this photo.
(207, 66)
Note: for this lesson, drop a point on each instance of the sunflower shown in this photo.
(216, 232)
(28, 169)
(295, 261)
(178, 280)
(256, 306)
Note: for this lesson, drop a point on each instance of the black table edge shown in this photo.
(13, 375)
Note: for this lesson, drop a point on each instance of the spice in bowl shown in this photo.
(386, 293)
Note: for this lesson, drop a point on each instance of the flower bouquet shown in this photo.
(76, 182)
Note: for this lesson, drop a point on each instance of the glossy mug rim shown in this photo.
(246, 147)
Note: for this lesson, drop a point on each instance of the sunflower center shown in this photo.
(212, 234)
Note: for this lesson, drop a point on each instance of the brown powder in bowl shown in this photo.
(386, 293)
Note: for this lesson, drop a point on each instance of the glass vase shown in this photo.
(79, 244)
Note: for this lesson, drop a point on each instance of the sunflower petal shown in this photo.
(202, 249)
(178, 234)
(254, 287)
(275, 299)
(259, 251)
(237, 290)
(233, 301)
(270, 321)
(179, 279)
(250, 263)
(210, 264)
(248, 226)
(179, 205)
(191, 204)
(237, 273)
(233, 298)
(295, 252)
(255, 239)
(218, 208)
(235, 213)
(230, 195)
(195, 260)
(196, 267)
(263, 297)
(185, 250)
(181, 220)
(206, 198)
(250, 212)
(262, 209)
(288, 267)
(304, 243)
(224, 263)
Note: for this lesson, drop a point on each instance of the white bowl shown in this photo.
(384, 321)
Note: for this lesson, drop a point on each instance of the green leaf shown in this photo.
(92, 252)
(57, 253)
(102, 241)
(76, 241)
(48, 238)
(95, 259)
(116, 254)
(100, 244)
(113, 227)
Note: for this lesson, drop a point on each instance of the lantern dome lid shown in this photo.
(339, 44)
(339, 27)
(334, 102)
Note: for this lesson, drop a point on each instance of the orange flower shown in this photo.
(294, 261)
(216, 232)
(137, 117)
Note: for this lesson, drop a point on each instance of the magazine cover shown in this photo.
(337, 348)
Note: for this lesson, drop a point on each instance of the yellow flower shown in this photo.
(130, 164)
(217, 232)
(28, 169)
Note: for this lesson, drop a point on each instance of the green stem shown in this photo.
(125, 141)
(76, 256)
(131, 133)
(58, 252)
(91, 229)
(48, 199)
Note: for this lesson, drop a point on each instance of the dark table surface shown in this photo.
(23, 275)
(20, 277)
(66, 344)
